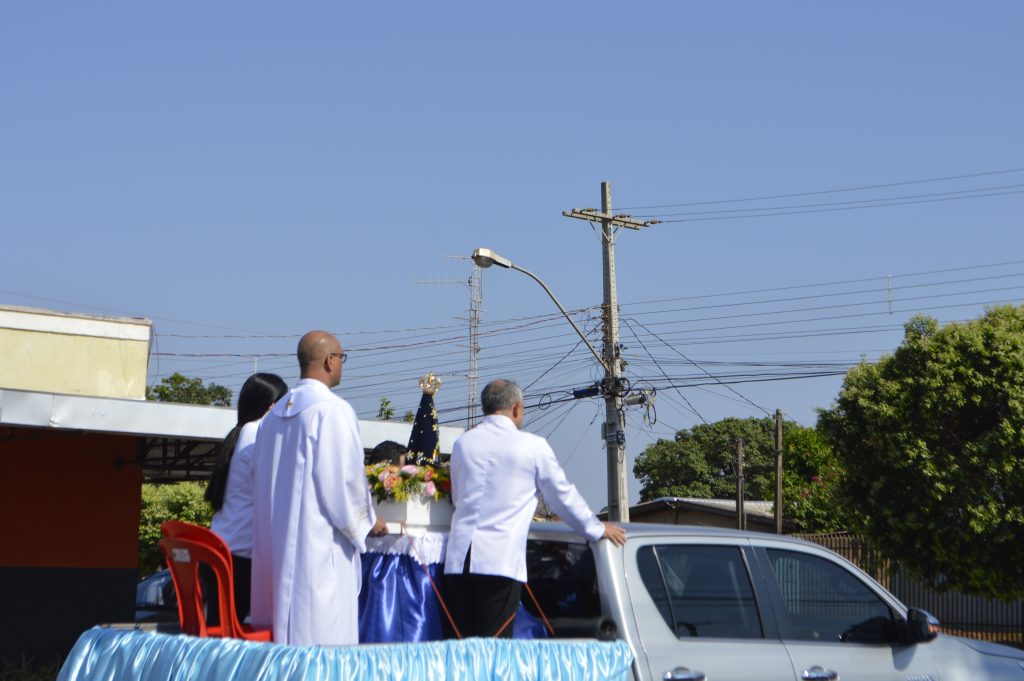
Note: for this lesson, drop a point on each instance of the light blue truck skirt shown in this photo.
(103, 654)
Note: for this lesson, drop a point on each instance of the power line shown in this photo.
(719, 338)
(535, 348)
(906, 275)
(120, 313)
(556, 319)
(963, 193)
(541, 421)
(812, 333)
(639, 340)
(754, 379)
(836, 294)
(597, 412)
(843, 208)
(831, 191)
(578, 343)
(819, 308)
(540, 318)
(730, 327)
(701, 368)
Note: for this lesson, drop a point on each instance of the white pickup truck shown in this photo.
(698, 603)
(679, 603)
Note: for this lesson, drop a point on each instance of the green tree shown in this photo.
(185, 390)
(700, 463)
(932, 442)
(179, 501)
(811, 474)
(386, 411)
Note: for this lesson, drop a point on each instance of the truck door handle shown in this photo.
(683, 674)
(817, 673)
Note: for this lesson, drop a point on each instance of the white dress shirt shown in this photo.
(233, 522)
(496, 472)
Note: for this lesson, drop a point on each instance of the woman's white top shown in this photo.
(233, 522)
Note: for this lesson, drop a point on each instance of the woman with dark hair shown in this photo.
(230, 489)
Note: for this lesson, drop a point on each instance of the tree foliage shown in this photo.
(178, 501)
(932, 442)
(185, 390)
(811, 474)
(700, 463)
(386, 411)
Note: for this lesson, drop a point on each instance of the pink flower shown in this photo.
(428, 474)
(384, 476)
(429, 490)
(409, 470)
(390, 482)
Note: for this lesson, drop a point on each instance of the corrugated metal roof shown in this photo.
(751, 507)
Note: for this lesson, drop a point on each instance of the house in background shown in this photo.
(73, 354)
(706, 512)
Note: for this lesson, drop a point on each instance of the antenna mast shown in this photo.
(476, 301)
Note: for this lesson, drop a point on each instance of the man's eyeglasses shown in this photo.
(343, 355)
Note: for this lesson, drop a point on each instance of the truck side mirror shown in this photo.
(921, 626)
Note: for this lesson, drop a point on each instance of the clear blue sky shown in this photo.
(249, 171)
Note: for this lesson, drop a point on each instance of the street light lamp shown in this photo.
(485, 257)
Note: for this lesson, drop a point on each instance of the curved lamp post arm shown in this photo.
(485, 257)
(565, 313)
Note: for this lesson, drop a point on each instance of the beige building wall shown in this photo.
(73, 354)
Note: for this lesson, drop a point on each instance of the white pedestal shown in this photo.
(418, 514)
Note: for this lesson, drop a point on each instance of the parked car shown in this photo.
(155, 598)
(698, 602)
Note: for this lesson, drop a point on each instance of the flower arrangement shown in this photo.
(389, 482)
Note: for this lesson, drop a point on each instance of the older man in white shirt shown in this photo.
(496, 472)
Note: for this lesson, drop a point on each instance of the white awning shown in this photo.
(144, 418)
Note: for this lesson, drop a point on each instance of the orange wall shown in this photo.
(65, 501)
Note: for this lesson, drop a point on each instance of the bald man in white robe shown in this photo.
(312, 507)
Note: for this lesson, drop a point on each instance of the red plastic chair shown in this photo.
(184, 547)
(204, 535)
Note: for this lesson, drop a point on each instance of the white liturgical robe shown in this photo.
(312, 512)
(496, 472)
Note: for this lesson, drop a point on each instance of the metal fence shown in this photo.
(959, 614)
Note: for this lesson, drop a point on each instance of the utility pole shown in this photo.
(613, 430)
(778, 471)
(741, 515)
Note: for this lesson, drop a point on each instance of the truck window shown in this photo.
(826, 602)
(701, 591)
(563, 578)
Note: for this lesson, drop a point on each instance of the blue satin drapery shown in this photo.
(103, 654)
(397, 603)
